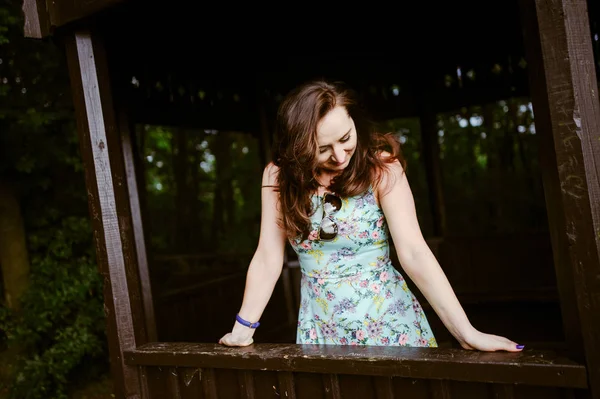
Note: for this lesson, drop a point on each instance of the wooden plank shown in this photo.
(157, 383)
(383, 387)
(173, 379)
(433, 169)
(469, 390)
(266, 384)
(121, 192)
(528, 392)
(209, 386)
(190, 386)
(309, 385)
(265, 135)
(503, 391)
(287, 388)
(137, 225)
(164, 112)
(440, 389)
(528, 367)
(567, 98)
(144, 382)
(357, 386)
(552, 189)
(332, 386)
(411, 388)
(246, 383)
(63, 12)
(228, 384)
(37, 22)
(95, 121)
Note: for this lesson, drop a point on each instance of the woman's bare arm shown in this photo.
(422, 267)
(265, 266)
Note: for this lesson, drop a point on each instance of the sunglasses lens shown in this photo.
(327, 236)
(328, 230)
(328, 226)
(333, 201)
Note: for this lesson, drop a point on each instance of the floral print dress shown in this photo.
(351, 294)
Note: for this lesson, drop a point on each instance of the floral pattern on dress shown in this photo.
(351, 294)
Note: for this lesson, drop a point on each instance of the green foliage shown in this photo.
(200, 195)
(408, 130)
(490, 171)
(58, 335)
(489, 164)
(62, 322)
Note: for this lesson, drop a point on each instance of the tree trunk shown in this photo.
(14, 259)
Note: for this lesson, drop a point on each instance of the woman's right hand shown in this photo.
(239, 336)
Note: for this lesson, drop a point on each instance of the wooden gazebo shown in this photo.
(112, 43)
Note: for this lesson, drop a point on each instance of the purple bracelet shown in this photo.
(246, 323)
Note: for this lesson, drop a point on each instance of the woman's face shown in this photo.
(336, 138)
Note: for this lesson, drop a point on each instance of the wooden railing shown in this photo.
(201, 306)
(204, 311)
(183, 370)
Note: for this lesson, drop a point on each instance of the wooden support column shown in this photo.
(37, 20)
(129, 158)
(264, 135)
(567, 116)
(106, 181)
(431, 156)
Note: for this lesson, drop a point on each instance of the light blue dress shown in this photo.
(351, 294)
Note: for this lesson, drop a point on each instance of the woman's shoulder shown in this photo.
(391, 164)
(389, 173)
(270, 174)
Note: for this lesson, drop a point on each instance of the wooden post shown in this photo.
(567, 117)
(37, 20)
(431, 156)
(129, 157)
(264, 135)
(106, 182)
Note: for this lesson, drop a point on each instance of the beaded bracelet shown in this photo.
(246, 323)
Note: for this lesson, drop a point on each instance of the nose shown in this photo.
(339, 155)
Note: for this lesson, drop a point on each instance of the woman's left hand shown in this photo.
(477, 340)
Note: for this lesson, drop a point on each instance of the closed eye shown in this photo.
(345, 138)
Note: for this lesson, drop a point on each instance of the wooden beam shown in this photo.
(37, 20)
(129, 157)
(544, 368)
(265, 135)
(106, 183)
(567, 117)
(433, 169)
(63, 12)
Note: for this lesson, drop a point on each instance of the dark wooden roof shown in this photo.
(190, 63)
(211, 65)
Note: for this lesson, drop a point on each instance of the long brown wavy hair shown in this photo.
(296, 148)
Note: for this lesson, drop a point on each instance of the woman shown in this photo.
(335, 191)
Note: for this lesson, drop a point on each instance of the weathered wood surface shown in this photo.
(37, 23)
(42, 16)
(567, 112)
(137, 225)
(197, 383)
(541, 368)
(106, 183)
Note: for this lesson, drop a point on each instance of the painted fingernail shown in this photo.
(520, 346)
